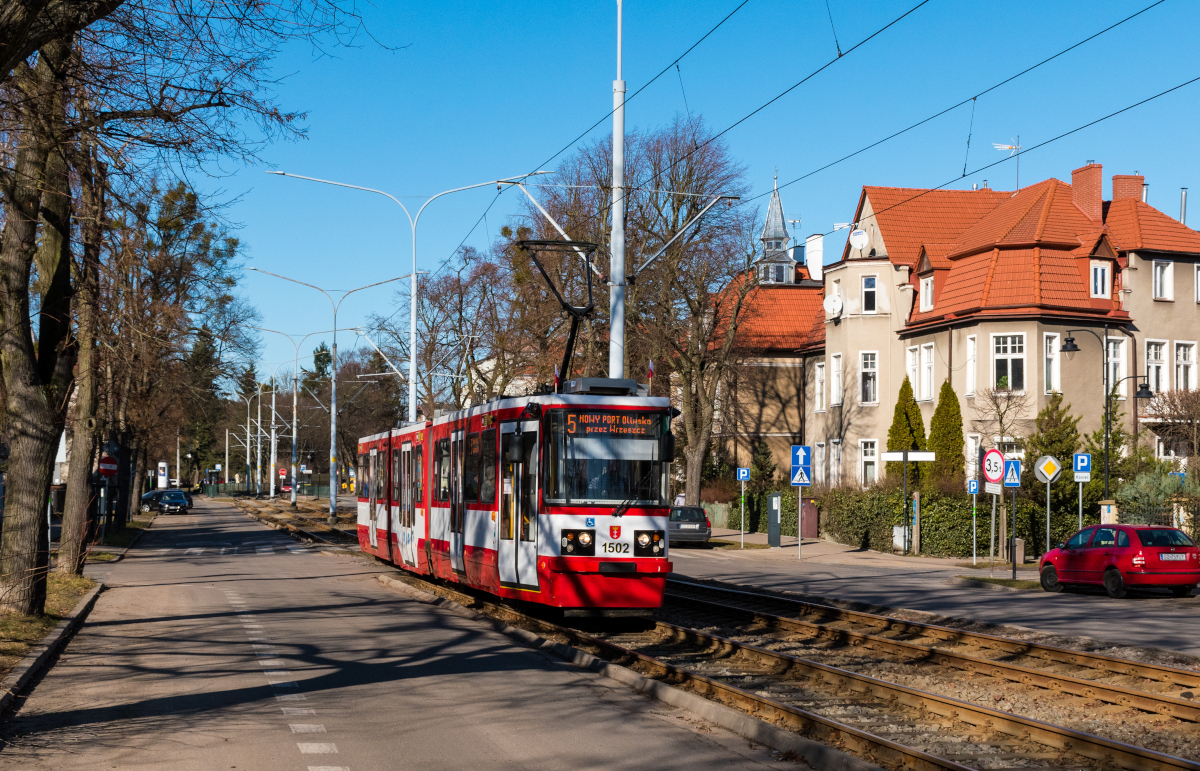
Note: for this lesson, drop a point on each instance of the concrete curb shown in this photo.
(814, 753)
(33, 664)
(977, 584)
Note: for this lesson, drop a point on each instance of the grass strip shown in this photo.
(20, 634)
(1018, 583)
(125, 536)
(717, 543)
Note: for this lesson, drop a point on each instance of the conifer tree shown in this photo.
(907, 433)
(1055, 433)
(946, 442)
(762, 468)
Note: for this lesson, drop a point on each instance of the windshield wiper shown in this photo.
(624, 507)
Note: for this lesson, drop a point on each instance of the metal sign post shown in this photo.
(801, 478)
(905, 456)
(973, 489)
(993, 475)
(743, 474)
(1012, 479)
(1083, 473)
(1047, 470)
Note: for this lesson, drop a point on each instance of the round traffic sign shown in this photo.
(108, 466)
(282, 472)
(993, 466)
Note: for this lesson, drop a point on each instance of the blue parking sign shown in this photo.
(743, 475)
(973, 487)
(1083, 461)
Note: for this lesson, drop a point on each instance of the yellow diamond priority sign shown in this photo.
(1047, 469)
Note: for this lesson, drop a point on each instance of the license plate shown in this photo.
(689, 527)
(1172, 557)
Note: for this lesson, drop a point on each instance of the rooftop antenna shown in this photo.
(1014, 149)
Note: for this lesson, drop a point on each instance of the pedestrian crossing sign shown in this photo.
(1012, 473)
(800, 476)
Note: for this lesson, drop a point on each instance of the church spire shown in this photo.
(775, 233)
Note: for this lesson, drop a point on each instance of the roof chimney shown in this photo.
(1127, 186)
(814, 256)
(1087, 185)
(1183, 206)
(1145, 192)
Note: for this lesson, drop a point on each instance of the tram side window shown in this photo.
(443, 469)
(471, 469)
(396, 475)
(361, 476)
(417, 476)
(487, 492)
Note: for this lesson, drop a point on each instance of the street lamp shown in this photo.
(412, 222)
(332, 379)
(295, 395)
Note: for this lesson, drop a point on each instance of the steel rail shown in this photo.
(1108, 664)
(1077, 686)
(876, 748)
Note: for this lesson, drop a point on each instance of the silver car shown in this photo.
(689, 524)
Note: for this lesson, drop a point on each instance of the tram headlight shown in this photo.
(578, 543)
(649, 543)
(585, 538)
(643, 539)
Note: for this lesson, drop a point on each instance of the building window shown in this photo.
(1009, 353)
(835, 463)
(912, 367)
(1051, 374)
(927, 372)
(869, 378)
(1011, 448)
(778, 274)
(972, 456)
(868, 294)
(867, 454)
(927, 294)
(1162, 273)
(820, 394)
(835, 379)
(1185, 366)
(1100, 279)
(1116, 366)
(971, 356)
(1156, 367)
(819, 466)
(1197, 276)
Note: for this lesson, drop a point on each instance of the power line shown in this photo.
(955, 106)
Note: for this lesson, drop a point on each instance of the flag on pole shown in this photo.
(651, 369)
(556, 377)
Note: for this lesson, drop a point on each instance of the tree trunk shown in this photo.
(36, 377)
(137, 483)
(75, 526)
(694, 455)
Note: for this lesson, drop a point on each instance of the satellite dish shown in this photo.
(859, 239)
(833, 305)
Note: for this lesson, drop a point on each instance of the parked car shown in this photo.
(174, 502)
(688, 524)
(1120, 557)
(150, 500)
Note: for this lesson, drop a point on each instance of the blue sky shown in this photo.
(475, 91)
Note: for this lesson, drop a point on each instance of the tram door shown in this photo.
(405, 535)
(374, 486)
(458, 512)
(517, 523)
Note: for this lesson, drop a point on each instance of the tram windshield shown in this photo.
(606, 458)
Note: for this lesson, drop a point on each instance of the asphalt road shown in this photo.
(222, 644)
(1142, 619)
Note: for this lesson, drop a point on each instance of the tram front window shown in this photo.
(606, 458)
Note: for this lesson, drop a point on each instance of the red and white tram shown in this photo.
(559, 499)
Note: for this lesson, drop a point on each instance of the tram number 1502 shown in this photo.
(611, 547)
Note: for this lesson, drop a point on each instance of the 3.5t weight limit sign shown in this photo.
(993, 471)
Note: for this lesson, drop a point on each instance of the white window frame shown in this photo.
(912, 362)
(1024, 357)
(927, 372)
(835, 462)
(1103, 287)
(1163, 364)
(862, 371)
(1051, 370)
(863, 460)
(972, 357)
(1196, 276)
(819, 388)
(1191, 364)
(835, 379)
(973, 445)
(819, 465)
(926, 293)
(1164, 289)
(874, 292)
(1118, 364)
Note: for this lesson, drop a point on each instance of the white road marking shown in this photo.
(297, 549)
(307, 728)
(272, 662)
(290, 697)
(194, 551)
(255, 627)
(262, 647)
(328, 768)
(298, 711)
(315, 748)
(265, 549)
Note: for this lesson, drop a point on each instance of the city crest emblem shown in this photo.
(614, 532)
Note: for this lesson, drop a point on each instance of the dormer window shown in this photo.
(927, 293)
(1101, 279)
(778, 274)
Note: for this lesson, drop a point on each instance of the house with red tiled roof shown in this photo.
(982, 287)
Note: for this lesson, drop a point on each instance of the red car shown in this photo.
(1118, 557)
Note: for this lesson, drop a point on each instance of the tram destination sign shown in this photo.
(612, 424)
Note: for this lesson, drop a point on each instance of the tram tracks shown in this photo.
(887, 723)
